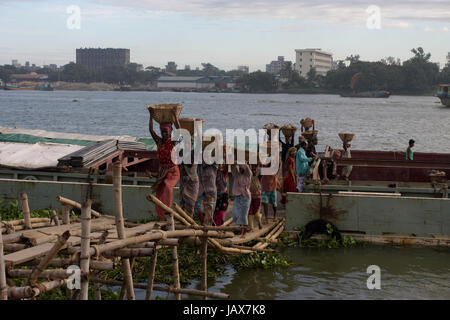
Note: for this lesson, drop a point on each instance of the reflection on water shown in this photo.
(406, 273)
(384, 124)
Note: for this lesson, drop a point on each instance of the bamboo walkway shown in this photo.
(97, 242)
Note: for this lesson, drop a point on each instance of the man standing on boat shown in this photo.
(409, 152)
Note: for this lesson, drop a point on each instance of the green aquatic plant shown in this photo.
(263, 260)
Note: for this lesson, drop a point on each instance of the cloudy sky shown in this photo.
(226, 33)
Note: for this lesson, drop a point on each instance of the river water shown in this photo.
(379, 124)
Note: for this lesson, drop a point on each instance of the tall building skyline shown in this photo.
(276, 66)
(98, 58)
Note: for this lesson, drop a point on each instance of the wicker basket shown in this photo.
(309, 134)
(189, 124)
(288, 130)
(307, 123)
(346, 137)
(438, 177)
(162, 113)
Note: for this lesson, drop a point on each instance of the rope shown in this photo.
(97, 251)
(163, 233)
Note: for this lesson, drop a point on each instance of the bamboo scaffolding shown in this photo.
(166, 289)
(117, 186)
(31, 292)
(53, 274)
(65, 211)
(49, 256)
(26, 210)
(151, 273)
(269, 237)
(85, 245)
(204, 263)
(54, 217)
(3, 286)
(77, 205)
(176, 270)
(65, 262)
(156, 201)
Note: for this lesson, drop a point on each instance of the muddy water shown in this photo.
(384, 124)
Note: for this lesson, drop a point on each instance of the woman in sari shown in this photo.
(289, 178)
(169, 173)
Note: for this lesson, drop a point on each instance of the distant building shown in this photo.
(244, 69)
(27, 64)
(275, 67)
(187, 67)
(171, 67)
(448, 60)
(313, 58)
(195, 83)
(15, 63)
(96, 59)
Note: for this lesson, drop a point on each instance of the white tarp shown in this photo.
(34, 156)
(62, 135)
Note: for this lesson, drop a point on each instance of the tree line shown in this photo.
(417, 75)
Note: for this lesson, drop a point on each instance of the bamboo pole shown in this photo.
(55, 218)
(166, 289)
(26, 210)
(33, 291)
(213, 242)
(117, 185)
(63, 263)
(13, 247)
(50, 255)
(228, 222)
(176, 270)
(52, 274)
(151, 273)
(156, 201)
(65, 210)
(32, 220)
(77, 205)
(3, 286)
(85, 245)
(204, 263)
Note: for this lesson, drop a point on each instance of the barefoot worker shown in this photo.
(241, 192)
(168, 174)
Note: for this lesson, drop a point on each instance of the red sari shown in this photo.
(288, 180)
(168, 176)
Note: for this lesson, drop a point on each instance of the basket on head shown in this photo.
(309, 134)
(438, 177)
(162, 113)
(307, 123)
(288, 130)
(189, 124)
(271, 125)
(346, 137)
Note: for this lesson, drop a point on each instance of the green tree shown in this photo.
(258, 82)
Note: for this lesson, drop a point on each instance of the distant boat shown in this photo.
(13, 87)
(443, 94)
(367, 94)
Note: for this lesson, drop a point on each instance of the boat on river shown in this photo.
(385, 198)
(367, 94)
(18, 88)
(443, 94)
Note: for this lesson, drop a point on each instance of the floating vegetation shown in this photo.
(262, 260)
(265, 114)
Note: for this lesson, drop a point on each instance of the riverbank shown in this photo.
(102, 86)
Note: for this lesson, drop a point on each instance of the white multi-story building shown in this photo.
(305, 59)
(448, 60)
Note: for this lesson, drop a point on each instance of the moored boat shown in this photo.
(443, 94)
(14, 88)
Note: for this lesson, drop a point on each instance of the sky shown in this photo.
(226, 33)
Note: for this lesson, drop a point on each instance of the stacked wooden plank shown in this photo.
(97, 152)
